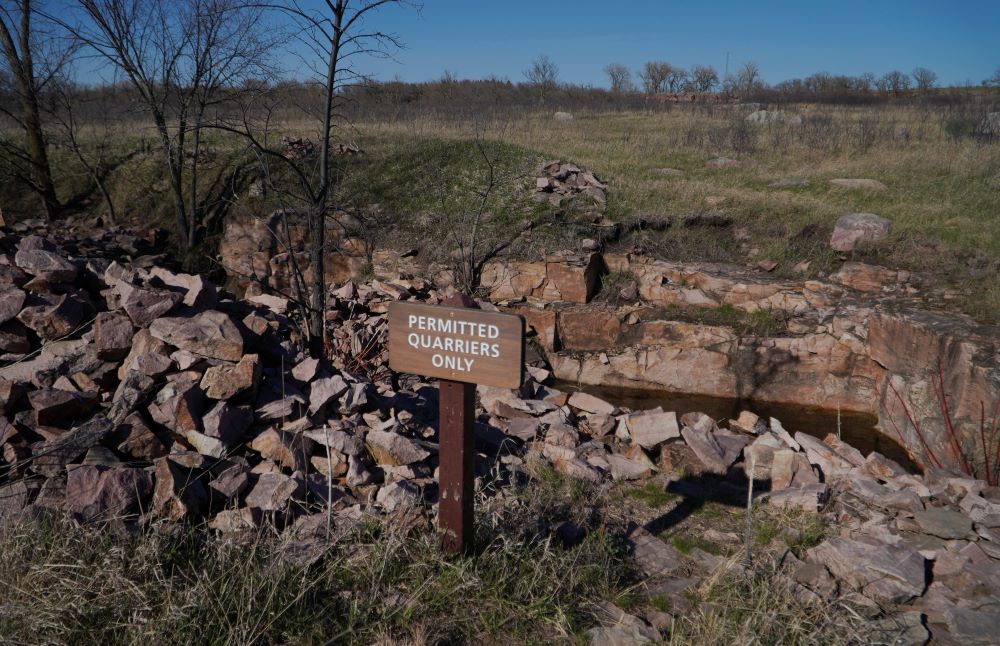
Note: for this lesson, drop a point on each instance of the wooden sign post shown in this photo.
(462, 346)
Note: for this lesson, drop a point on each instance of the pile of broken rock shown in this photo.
(560, 180)
(129, 391)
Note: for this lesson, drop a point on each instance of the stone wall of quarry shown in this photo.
(863, 340)
(867, 338)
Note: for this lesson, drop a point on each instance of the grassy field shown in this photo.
(423, 176)
(943, 191)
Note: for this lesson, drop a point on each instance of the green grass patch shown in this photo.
(652, 494)
(685, 542)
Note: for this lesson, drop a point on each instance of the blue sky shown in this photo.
(960, 40)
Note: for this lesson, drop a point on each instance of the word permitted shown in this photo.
(456, 343)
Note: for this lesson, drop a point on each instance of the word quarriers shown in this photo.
(460, 344)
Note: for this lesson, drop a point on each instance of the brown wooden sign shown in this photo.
(458, 344)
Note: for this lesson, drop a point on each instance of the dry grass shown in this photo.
(941, 195)
(941, 192)
(61, 583)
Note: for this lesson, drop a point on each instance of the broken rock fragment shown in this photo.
(393, 449)
(229, 381)
(209, 334)
(104, 492)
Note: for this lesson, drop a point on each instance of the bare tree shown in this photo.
(64, 98)
(177, 55)
(21, 43)
(676, 78)
(704, 78)
(334, 34)
(486, 220)
(654, 76)
(543, 74)
(895, 82)
(924, 78)
(748, 79)
(993, 81)
(620, 78)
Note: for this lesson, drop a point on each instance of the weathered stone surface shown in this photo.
(11, 302)
(943, 523)
(112, 336)
(588, 329)
(619, 628)
(397, 496)
(590, 404)
(209, 334)
(229, 381)
(651, 429)
(138, 440)
(62, 408)
(229, 484)
(227, 422)
(844, 450)
(148, 356)
(197, 290)
(102, 492)
(653, 556)
(339, 441)
(179, 406)
(562, 277)
(144, 305)
(886, 573)
(306, 370)
(909, 343)
(45, 264)
(50, 457)
(881, 467)
(625, 468)
(705, 446)
(290, 450)
(867, 278)
(971, 627)
(16, 495)
(393, 449)
(747, 421)
(789, 468)
(322, 391)
(829, 461)
(55, 318)
(274, 492)
(178, 492)
(807, 497)
(858, 227)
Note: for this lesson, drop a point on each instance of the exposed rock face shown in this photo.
(259, 248)
(561, 277)
(923, 351)
(834, 351)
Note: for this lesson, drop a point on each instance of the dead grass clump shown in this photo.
(529, 581)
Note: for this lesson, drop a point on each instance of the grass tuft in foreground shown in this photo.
(62, 583)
